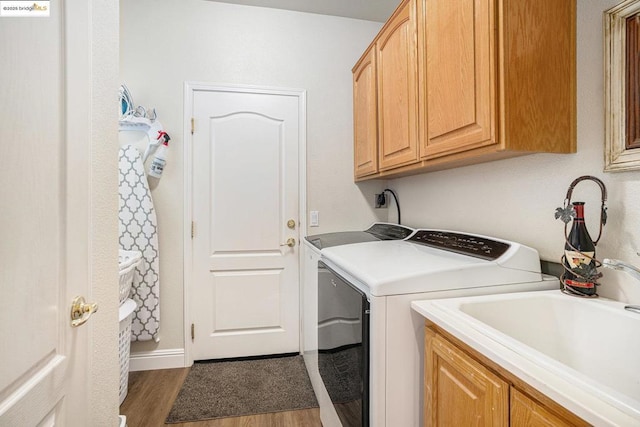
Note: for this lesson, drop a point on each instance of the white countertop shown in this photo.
(561, 386)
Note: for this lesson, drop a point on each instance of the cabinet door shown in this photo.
(458, 72)
(525, 412)
(397, 89)
(365, 132)
(459, 391)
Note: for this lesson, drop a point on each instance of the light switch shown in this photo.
(314, 220)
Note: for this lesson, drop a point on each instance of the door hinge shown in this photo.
(193, 125)
(193, 229)
(193, 331)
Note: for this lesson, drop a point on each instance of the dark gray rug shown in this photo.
(246, 387)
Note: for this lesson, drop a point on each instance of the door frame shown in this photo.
(189, 90)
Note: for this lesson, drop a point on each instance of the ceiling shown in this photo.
(370, 10)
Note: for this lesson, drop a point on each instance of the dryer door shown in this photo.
(343, 346)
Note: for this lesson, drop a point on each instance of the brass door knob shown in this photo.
(291, 224)
(81, 311)
(291, 242)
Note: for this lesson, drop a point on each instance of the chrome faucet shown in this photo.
(634, 272)
(616, 264)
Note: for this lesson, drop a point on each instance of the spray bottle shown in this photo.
(160, 158)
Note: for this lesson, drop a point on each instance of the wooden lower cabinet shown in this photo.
(527, 412)
(461, 390)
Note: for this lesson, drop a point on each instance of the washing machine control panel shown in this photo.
(465, 244)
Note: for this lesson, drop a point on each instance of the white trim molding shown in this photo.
(157, 359)
(617, 156)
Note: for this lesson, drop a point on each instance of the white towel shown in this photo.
(139, 231)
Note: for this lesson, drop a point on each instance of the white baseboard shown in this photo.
(157, 359)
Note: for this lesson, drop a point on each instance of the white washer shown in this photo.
(429, 264)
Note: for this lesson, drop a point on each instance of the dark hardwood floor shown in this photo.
(151, 395)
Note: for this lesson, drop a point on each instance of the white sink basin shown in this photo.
(573, 349)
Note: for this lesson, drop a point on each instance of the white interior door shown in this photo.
(44, 238)
(245, 290)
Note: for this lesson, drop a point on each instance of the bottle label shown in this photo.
(157, 166)
(576, 284)
(575, 259)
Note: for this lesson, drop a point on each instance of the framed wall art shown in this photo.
(622, 86)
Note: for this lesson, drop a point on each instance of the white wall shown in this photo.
(165, 43)
(516, 198)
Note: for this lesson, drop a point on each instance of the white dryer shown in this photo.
(312, 247)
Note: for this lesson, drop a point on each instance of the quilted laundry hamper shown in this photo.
(124, 344)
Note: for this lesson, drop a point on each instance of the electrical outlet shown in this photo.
(380, 201)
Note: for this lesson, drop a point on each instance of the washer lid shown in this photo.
(328, 240)
(377, 231)
(403, 267)
(387, 231)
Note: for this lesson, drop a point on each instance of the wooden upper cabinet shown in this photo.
(537, 75)
(397, 89)
(458, 69)
(499, 73)
(365, 147)
(469, 81)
